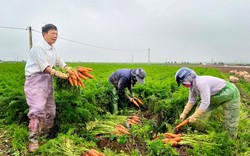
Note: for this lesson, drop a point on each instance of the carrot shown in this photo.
(165, 140)
(121, 126)
(71, 81)
(135, 117)
(129, 122)
(73, 76)
(133, 121)
(75, 82)
(170, 135)
(82, 76)
(173, 143)
(134, 102)
(92, 152)
(76, 74)
(182, 124)
(177, 139)
(70, 72)
(88, 75)
(81, 69)
(80, 83)
(122, 130)
(117, 133)
(139, 101)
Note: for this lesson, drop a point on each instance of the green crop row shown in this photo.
(77, 107)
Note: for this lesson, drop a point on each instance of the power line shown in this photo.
(13, 28)
(77, 42)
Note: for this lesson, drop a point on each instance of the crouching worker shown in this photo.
(122, 79)
(213, 92)
(39, 86)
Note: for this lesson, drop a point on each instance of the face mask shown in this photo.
(186, 84)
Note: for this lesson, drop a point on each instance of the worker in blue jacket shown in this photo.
(122, 79)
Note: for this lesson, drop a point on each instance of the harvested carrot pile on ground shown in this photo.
(120, 130)
(93, 152)
(133, 120)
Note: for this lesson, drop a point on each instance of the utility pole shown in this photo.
(148, 55)
(30, 36)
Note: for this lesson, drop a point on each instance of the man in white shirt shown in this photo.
(39, 86)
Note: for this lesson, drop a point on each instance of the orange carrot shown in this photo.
(177, 139)
(165, 140)
(92, 152)
(75, 82)
(81, 69)
(121, 126)
(117, 133)
(182, 124)
(134, 102)
(80, 83)
(71, 81)
(76, 74)
(122, 130)
(171, 135)
(88, 75)
(73, 76)
(133, 121)
(135, 117)
(70, 72)
(139, 101)
(82, 76)
(173, 143)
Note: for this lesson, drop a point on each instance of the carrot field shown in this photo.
(84, 122)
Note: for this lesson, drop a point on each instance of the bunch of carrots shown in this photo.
(93, 152)
(133, 120)
(137, 102)
(171, 138)
(75, 76)
(120, 130)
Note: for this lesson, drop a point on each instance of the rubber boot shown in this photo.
(33, 134)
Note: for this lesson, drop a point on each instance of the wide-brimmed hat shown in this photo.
(140, 74)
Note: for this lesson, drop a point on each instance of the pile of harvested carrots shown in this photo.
(120, 130)
(75, 76)
(137, 102)
(171, 138)
(133, 120)
(93, 152)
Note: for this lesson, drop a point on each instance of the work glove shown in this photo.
(59, 74)
(198, 112)
(186, 110)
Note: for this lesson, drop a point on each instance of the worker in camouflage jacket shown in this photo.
(122, 79)
(213, 92)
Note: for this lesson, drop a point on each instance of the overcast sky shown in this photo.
(174, 30)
